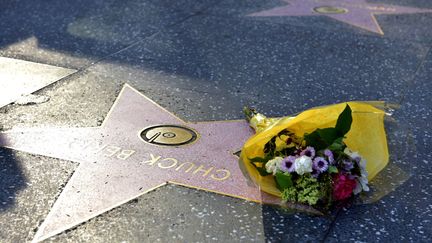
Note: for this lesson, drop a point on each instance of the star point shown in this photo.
(118, 165)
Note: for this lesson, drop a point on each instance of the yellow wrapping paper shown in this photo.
(366, 136)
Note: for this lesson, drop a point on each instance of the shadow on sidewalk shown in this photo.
(12, 179)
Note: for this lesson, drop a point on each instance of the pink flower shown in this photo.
(342, 186)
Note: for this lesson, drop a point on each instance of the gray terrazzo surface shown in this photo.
(76, 34)
(174, 213)
(204, 61)
(29, 186)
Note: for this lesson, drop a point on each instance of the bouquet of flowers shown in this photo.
(307, 160)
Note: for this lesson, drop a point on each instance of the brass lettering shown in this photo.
(152, 160)
(227, 174)
(200, 168)
(186, 167)
(125, 153)
(111, 150)
(191, 166)
(174, 163)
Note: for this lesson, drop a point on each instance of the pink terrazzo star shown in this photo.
(359, 13)
(117, 164)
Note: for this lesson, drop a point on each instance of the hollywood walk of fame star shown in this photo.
(19, 78)
(359, 13)
(126, 157)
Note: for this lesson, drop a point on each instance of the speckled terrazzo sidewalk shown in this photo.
(204, 61)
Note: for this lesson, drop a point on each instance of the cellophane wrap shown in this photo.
(366, 136)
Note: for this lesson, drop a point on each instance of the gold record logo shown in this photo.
(169, 135)
(330, 10)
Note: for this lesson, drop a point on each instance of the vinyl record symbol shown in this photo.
(330, 10)
(169, 135)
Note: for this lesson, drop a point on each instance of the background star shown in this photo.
(358, 13)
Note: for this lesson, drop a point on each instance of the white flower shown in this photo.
(361, 185)
(303, 164)
(273, 165)
(362, 166)
(362, 181)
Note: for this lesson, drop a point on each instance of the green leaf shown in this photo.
(249, 113)
(333, 169)
(344, 121)
(328, 135)
(314, 139)
(261, 170)
(259, 160)
(321, 138)
(337, 145)
(286, 151)
(270, 146)
(283, 181)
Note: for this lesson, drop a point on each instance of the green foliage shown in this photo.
(333, 169)
(337, 145)
(285, 152)
(289, 195)
(259, 160)
(326, 191)
(314, 139)
(309, 195)
(306, 190)
(259, 163)
(262, 170)
(271, 152)
(344, 121)
(323, 138)
(249, 113)
(283, 181)
(328, 135)
(270, 146)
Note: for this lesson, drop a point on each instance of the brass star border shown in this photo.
(119, 163)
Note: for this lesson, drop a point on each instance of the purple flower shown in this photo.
(315, 173)
(320, 164)
(357, 159)
(347, 165)
(309, 152)
(287, 164)
(329, 154)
